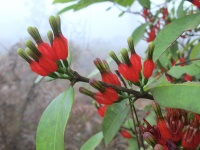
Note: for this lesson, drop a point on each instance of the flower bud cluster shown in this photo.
(171, 130)
(42, 57)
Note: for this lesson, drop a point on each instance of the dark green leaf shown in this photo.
(38, 79)
(178, 71)
(145, 3)
(132, 144)
(115, 116)
(171, 32)
(50, 131)
(183, 95)
(180, 10)
(63, 1)
(138, 33)
(93, 142)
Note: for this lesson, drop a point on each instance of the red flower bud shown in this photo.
(110, 78)
(101, 100)
(35, 67)
(128, 72)
(182, 60)
(46, 50)
(102, 110)
(187, 77)
(60, 45)
(136, 62)
(47, 64)
(148, 68)
(151, 35)
(164, 128)
(126, 134)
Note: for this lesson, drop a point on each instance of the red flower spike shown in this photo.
(190, 137)
(35, 67)
(102, 110)
(187, 77)
(47, 64)
(60, 45)
(128, 72)
(136, 62)
(148, 68)
(125, 134)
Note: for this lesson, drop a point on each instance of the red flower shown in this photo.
(101, 110)
(35, 67)
(125, 134)
(110, 78)
(136, 62)
(60, 45)
(128, 72)
(107, 97)
(47, 64)
(164, 128)
(187, 77)
(46, 50)
(195, 2)
(182, 60)
(148, 68)
(190, 138)
(151, 35)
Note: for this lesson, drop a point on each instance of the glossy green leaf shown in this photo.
(38, 79)
(50, 131)
(132, 144)
(93, 142)
(180, 10)
(178, 71)
(62, 1)
(145, 3)
(115, 116)
(138, 33)
(182, 95)
(171, 32)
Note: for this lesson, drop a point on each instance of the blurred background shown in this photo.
(92, 32)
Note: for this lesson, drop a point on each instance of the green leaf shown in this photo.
(132, 144)
(145, 3)
(69, 58)
(121, 14)
(124, 3)
(138, 33)
(178, 71)
(180, 10)
(38, 79)
(183, 95)
(67, 8)
(93, 142)
(62, 1)
(115, 116)
(50, 131)
(195, 53)
(171, 32)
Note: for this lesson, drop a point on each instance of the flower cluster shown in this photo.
(42, 57)
(177, 128)
(130, 68)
